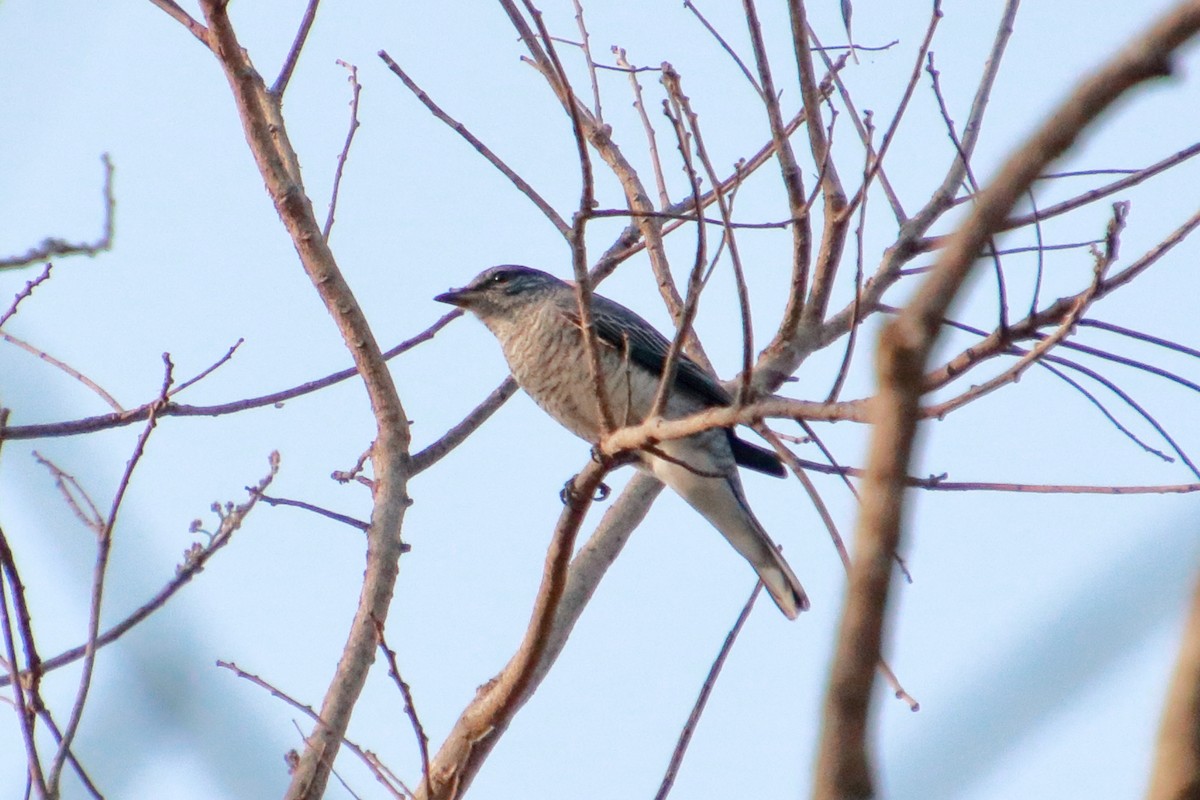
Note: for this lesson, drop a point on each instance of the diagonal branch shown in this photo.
(267, 137)
(482, 723)
(843, 767)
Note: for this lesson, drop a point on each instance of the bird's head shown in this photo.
(504, 293)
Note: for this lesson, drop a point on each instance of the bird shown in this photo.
(535, 317)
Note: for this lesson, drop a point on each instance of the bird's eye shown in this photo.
(500, 277)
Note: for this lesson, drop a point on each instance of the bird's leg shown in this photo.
(567, 493)
(609, 463)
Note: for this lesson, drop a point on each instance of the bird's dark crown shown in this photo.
(512, 279)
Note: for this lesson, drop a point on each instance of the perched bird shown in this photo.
(536, 318)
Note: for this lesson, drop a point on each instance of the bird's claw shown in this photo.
(567, 493)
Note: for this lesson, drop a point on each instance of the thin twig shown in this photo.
(639, 103)
(182, 17)
(793, 180)
(689, 727)
(26, 292)
(1101, 192)
(49, 248)
(522, 185)
(104, 422)
(323, 512)
(25, 695)
(195, 559)
(396, 788)
(893, 126)
(65, 368)
(969, 173)
(1092, 322)
(585, 44)
(355, 93)
(674, 110)
(410, 708)
(424, 459)
(289, 64)
(210, 370)
(99, 573)
(690, 6)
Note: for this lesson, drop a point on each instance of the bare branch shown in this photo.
(714, 672)
(25, 694)
(452, 438)
(395, 787)
(50, 248)
(942, 197)
(843, 769)
(585, 44)
(99, 573)
(410, 708)
(483, 149)
(289, 64)
(64, 367)
(355, 92)
(482, 723)
(1176, 772)
(106, 421)
(195, 558)
(690, 6)
(267, 137)
(186, 20)
(793, 181)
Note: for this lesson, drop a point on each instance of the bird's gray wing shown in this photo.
(622, 328)
(648, 348)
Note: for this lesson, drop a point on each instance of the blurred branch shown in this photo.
(843, 768)
(99, 576)
(22, 295)
(1176, 771)
(50, 248)
(67, 369)
(195, 559)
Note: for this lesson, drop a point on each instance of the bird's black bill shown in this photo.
(455, 297)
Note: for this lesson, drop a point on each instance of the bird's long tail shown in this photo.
(749, 539)
(722, 502)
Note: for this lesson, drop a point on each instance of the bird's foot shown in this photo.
(567, 493)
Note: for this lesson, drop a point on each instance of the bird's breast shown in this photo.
(548, 359)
